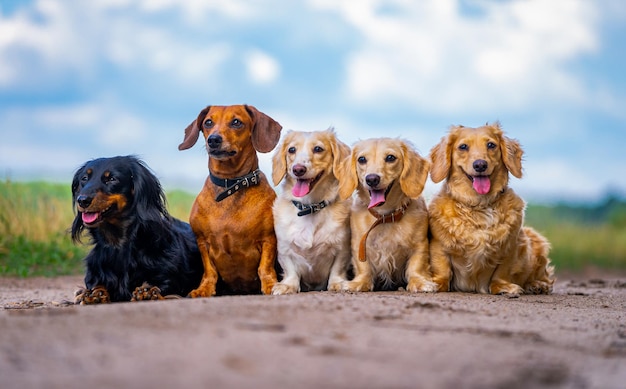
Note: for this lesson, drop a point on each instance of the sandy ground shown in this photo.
(574, 338)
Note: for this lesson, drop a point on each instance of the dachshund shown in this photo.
(232, 215)
(389, 219)
(312, 223)
(140, 252)
(479, 243)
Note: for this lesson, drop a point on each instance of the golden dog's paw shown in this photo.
(146, 292)
(538, 287)
(202, 292)
(281, 288)
(97, 295)
(335, 286)
(506, 289)
(356, 286)
(417, 285)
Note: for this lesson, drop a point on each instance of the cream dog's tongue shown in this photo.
(377, 197)
(301, 188)
(481, 184)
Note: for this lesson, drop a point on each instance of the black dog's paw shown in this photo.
(146, 292)
(97, 295)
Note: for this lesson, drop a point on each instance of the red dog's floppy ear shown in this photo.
(192, 132)
(266, 131)
(441, 159)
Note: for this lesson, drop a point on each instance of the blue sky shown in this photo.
(86, 79)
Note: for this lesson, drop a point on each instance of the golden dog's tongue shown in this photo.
(377, 197)
(90, 217)
(301, 188)
(481, 184)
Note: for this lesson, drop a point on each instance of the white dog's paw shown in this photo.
(335, 286)
(420, 285)
(281, 288)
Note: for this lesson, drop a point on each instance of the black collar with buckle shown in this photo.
(307, 209)
(233, 185)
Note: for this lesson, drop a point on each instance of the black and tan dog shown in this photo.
(140, 252)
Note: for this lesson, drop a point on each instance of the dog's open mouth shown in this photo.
(304, 187)
(92, 218)
(378, 196)
(481, 184)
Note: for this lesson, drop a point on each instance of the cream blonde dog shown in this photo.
(478, 242)
(312, 224)
(389, 218)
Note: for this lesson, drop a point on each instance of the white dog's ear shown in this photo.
(279, 162)
(512, 154)
(346, 174)
(340, 151)
(441, 159)
(414, 172)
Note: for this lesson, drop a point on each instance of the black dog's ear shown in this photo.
(77, 224)
(148, 195)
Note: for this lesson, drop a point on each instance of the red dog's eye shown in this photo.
(208, 123)
(236, 123)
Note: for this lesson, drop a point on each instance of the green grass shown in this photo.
(35, 218)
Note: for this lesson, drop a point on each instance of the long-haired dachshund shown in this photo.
(232, 215)
(140, 252)
(478, 240)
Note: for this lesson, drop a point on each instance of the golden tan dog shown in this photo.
(478, 243)
(232, 215)
(389, 219)
(312, 224)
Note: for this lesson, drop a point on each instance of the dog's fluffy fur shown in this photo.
(478, 242)
(139, 251)
(388, 175)
(314, 248)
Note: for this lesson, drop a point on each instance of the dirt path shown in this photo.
(575, 338)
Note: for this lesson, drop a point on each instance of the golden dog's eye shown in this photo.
(236, 123)
(208, 123)
(317, 149)
(291, 150)
(491, 145)
(390, 158)
(463, 147)
(362, 160)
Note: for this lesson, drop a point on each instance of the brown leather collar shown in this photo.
(393, 217)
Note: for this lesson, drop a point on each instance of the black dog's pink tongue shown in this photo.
(481, 184)
(90, 217)
(377, 197)
(301, 188)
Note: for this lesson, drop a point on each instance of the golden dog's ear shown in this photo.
(441, 159)
(340, 151)
(414, 172)
(192, 132)
(279, 162)
(266, 131)
(512, 154)
(346, 174)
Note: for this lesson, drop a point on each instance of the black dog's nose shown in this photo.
(480, 165)
(84, 201)
(214, 141)
(299, 170)
(372, 180)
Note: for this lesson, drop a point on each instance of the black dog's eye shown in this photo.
(317, 149)
(291, 150)
(109, 179)
(236, 123)
(208, 123)
(390, 158)
(362, 160)
(491, 145)
(84, 178)
(463, 147)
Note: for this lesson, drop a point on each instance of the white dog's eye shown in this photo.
(390, 158)
(291, 150)
(491, 145)
(317, 149)
(362, 160)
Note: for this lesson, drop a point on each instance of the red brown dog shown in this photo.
(232, 216)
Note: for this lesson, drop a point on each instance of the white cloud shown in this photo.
(261, 67)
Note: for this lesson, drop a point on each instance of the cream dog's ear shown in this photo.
(279, 161)
(346, 174)
(441, 158)
(414, 172)
(340, 151)
(512, 154)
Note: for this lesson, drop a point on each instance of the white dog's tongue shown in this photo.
(377, 197)
(481, 184)
(90, 217)
(301, 188)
